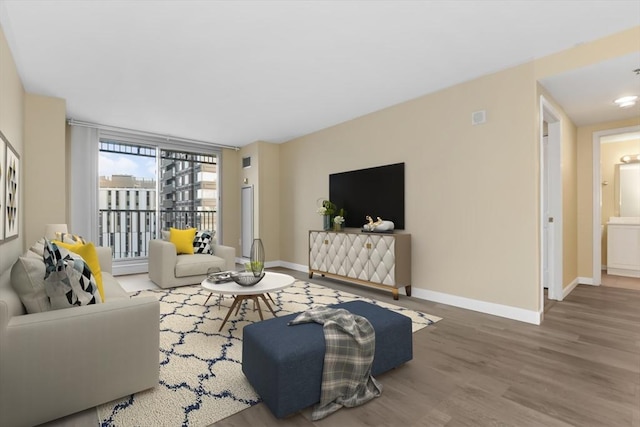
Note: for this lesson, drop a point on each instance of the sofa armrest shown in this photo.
(162, 262)
(105, 257)
(63, 361)
(227, 253)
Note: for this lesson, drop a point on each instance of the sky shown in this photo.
(124, 164)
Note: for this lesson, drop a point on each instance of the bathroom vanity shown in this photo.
(623, 246)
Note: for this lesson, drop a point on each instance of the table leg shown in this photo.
(236, 301)
(239, 298)
(257, 302)
(267, 303)
(269, 295)
(205, 303)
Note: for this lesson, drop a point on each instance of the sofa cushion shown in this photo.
(27, 279)
(90, 256)
(202, 242)
(68, 279)
(112, 289)
(197, 264)
(182, 239)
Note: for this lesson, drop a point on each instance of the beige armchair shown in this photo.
(167, 269)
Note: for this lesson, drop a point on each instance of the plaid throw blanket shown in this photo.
(350, 344)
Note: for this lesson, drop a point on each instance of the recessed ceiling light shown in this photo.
(626, 101)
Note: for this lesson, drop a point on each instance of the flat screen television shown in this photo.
(376, 191)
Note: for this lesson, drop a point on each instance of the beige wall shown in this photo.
(569, 165)
(12, 124)
(273, 216)
(45, 167)
(471, 191)
(472, 195)
(264, 176)
(613, 46)
(230, 196)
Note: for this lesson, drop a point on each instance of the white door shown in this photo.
(550, 202)
(247, 221)
(547, 235)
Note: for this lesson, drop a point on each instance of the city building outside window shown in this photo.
(146, 189)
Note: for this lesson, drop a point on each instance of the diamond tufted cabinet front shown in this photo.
(374, 259)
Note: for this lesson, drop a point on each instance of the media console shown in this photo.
(373, 259)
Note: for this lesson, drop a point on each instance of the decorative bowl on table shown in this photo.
(216, 276)
(246, 278)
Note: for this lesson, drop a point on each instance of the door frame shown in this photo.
(597, 199)
(553, 119)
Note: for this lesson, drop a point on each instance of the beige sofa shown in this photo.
(59, 362)
(167, 269)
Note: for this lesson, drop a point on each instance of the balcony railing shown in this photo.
(128, 232)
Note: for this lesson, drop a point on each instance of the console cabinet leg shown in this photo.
(395, 293)
(311, 275)
(407, 289)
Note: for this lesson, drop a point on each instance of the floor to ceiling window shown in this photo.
(188, 190)
(127, 200)
(144, 189)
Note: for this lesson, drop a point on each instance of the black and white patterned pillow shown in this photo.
(202, 242)
(69, 281)
(70, 238)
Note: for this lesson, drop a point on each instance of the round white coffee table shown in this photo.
(271, 282)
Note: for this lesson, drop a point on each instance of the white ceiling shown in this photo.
(233, 72)
(587, 94)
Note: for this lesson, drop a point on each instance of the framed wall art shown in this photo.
(3, 155)
(11, 186)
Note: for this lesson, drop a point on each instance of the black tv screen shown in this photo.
(377, 192)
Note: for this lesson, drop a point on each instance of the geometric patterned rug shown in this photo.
(201, 379)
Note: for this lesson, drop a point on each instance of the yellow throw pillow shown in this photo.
(182, 239)
(90, 256)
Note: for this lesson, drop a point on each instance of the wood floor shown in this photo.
(620, 281)
(581, 367)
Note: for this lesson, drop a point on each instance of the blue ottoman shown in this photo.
(284, 363)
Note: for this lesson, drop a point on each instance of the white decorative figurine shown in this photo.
(379, 225)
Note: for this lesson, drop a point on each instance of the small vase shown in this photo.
(257, 257)
(326, 224)
(337, 227)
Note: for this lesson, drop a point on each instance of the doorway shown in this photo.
(550, 203)
(597, 198)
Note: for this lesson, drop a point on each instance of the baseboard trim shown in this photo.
(567, 290)
(500, 310)
(623, 272)
(296, 267)
(586, 281)
(130, 268)
(514, 313)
